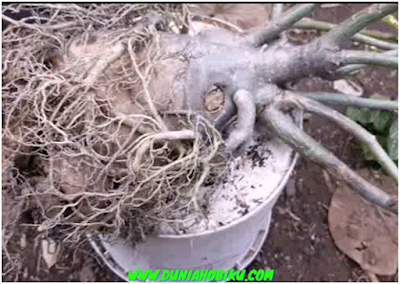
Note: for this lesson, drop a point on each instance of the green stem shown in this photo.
(366, 37)
(351, 69)
(259, 37)
(358, 22)
(292, 135)
(363, 57)
(375, 42)
(346, 123)
(346, 100)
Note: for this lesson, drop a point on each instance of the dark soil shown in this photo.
(299, 246)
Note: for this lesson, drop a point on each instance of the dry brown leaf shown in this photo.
(362, 231)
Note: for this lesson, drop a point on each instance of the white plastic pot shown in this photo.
(232, 246)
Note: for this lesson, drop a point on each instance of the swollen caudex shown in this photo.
(123, 124)
(153, 72)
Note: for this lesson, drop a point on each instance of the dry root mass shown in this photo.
(91, 141)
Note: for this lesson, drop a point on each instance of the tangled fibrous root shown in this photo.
(74, 160)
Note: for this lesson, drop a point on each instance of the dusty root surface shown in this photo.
(299, 246)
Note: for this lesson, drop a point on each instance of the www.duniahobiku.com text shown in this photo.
(201, 275)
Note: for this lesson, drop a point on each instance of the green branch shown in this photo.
(364, 57)
(346, 123)
(259, 37)
(311, 24)
(358, 22)
(363, 37)
(346, 100)
(292, 135)
(351, 69)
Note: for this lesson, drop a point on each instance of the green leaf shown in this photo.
(359, 115)
(352, 113)
(367, 153)
(391, 20)
(380, 119)
(381, 140)
(392, 143)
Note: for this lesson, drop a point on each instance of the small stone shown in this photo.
(23, 241)
(348, 87)
(50, 252)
